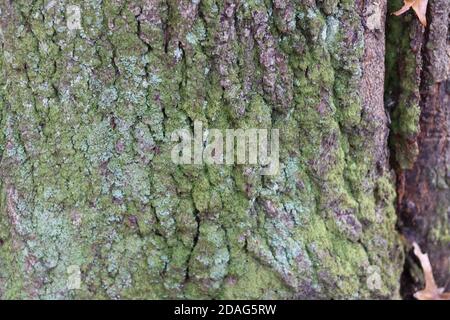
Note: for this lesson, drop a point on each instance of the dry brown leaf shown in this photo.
(419, 7)
(431, 291)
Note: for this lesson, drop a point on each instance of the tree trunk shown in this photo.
(420, 86)
(92, 205)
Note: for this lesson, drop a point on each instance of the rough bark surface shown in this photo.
(87, 108)
(424, 180)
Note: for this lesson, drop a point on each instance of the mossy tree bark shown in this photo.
(87, 106)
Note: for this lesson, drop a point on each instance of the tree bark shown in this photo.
(90, 92)
(422, 125)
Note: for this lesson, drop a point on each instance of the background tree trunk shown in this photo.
(88, 103)
(419, 85)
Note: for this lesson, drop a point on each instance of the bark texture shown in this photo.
(87, 108)
(422, 122)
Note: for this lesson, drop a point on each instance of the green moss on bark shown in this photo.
(86, 169)
(403, 62)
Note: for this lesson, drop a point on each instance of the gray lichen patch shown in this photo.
(73, 17)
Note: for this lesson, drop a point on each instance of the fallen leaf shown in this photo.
(419, 7)
(431, 291)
